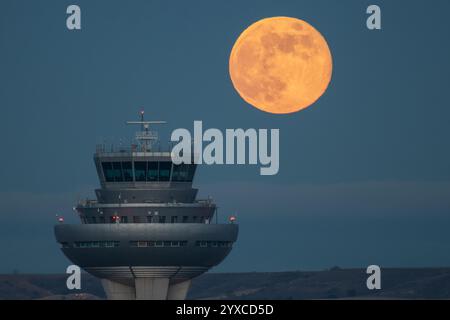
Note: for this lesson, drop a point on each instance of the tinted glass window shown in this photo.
(127, 171)
(108, 171)
(152, 171)
(183, 172)
(117, 171)
(164, 170)
(180, 172)
(191, 172)
(140, 170)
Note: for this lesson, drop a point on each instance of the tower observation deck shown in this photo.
(146, 235)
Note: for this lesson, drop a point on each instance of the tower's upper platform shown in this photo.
(132, 171)
(142, 164)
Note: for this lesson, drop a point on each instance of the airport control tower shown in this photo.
(146, 236)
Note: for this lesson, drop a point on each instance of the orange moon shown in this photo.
(280, 65)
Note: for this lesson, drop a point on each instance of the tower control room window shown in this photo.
(152, 170)
(117, 171)
(152, 174)
(164, 170)
(183, 172)
(180, 172)
(108, 171)
(140, 170)
(127, 170)
(191, 172)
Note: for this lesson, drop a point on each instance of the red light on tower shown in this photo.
(60, 219)
(232, 219)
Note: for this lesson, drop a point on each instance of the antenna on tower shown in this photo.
(146, 137)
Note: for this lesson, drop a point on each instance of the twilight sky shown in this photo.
(364, 173)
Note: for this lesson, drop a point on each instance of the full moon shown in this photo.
(280, 65)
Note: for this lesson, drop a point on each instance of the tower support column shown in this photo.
(151, 288)
(179, 290)
(118, 291)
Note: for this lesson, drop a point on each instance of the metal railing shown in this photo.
(146, 135)
(120, 148)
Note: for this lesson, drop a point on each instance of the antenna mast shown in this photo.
(145, 137)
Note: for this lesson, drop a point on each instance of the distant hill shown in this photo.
(336, 283)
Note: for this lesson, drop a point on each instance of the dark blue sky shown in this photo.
(364, 173)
